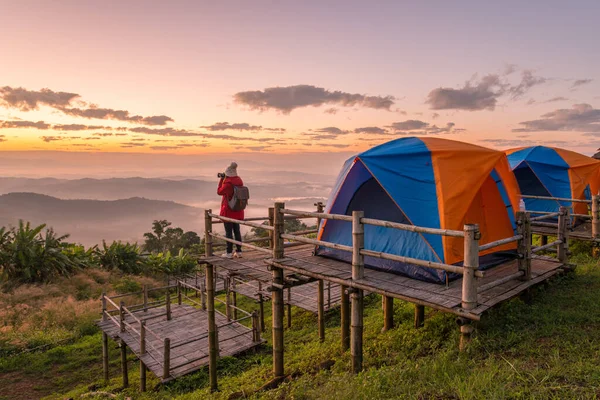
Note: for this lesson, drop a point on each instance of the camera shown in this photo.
(221, 175)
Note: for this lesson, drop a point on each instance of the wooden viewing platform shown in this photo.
(172, 340)
(294, 264)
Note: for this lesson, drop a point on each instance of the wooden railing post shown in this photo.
(419, 315)
(563, 223)
(234, 299)
(105, 356)
(142, 352)
(358, 272)
(345, 317)
(277, 292)
(320, 210)
(321, 310)
(179, 292)
(104, 317)
(124, 364)
(469, 283)
(203, 294)
(168, 304)
(271, 223)
(228, 298)
(289, 307)
(388, 313)
(167, 358)
(595, 217)
(122, 316)
(208, 243)
(524, 244)
(213, 341)
(255, 327)
(145, 298)
(261, 307)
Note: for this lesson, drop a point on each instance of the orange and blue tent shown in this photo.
(428, 182)
(554, 172)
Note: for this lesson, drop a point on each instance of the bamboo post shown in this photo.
(595, 217)
(228, 298)
(388, 313)
(167, 358)
(320, 209)
(255, 327)
(261, 307)
(345, 317)
(329, 295)
(419, 316)
(289, 307)
(178, 292)
(168, 304)
(124, 364)
(142, 352)
(271, 223)
(543, 240)
(213, 340)
(203, 295)
(145, 298)
(122, 316)
(104, 317)
(563, 220)
(234, 299)
(321, 310)
(524, 245)
(105, 356)
(469, 283)
(277, 293)
(358, 272)
(208, 243)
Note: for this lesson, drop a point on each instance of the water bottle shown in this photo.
(522, 205)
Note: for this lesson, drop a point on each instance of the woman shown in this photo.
(225, 189)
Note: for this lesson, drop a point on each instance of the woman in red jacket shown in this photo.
(225, 189)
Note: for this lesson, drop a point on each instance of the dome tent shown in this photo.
(554, 172)
(429, 182)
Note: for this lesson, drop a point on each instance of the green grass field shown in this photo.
(548, 349)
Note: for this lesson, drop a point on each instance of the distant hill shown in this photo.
(193, 192)
(90, 221)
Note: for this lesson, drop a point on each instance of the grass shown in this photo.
(549, 349)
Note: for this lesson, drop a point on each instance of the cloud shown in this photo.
(49, 139)
(288, 98)
(508, 143)
(435, 115)
(163, 147)
(121, 115)
(105, 134)
(24, 124)
(79, 127)
(336, 145)
(555, 99)
(3, 138)
(253, 148)
(581, 82)
(132, 144)
(92, 138)
(373, 130)
(482, 94)
(186, 133)
(579, 118)
(322, 137)
(420, 128)
(332, 130)
(331, 111)
(223, 126)
(27, 100)
(408, 125)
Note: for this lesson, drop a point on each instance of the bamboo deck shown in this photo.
(187, 324)
(580, 232)
(437, 296)
(252, 277)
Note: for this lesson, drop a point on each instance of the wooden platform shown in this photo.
(580, 232)
(438, 296)
(187, 331)
(252, 277)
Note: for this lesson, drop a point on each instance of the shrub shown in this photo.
(124, 257)
(166, 263)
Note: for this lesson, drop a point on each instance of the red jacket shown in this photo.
(225, 189)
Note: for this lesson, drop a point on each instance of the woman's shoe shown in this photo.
(227, 255)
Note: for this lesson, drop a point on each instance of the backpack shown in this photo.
(240, 197)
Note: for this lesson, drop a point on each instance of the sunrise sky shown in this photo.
(187, 77)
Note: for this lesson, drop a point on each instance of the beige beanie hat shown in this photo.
(232, 169)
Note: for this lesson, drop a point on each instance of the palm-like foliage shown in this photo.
(121, 256)
(31, 254)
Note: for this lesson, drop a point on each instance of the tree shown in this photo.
(165, 238)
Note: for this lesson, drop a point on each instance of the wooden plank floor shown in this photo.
(438, 296)
(580, 232)
(252, 269)
(187, 323)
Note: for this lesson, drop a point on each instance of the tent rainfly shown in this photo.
(553, 172)
(429, 182)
